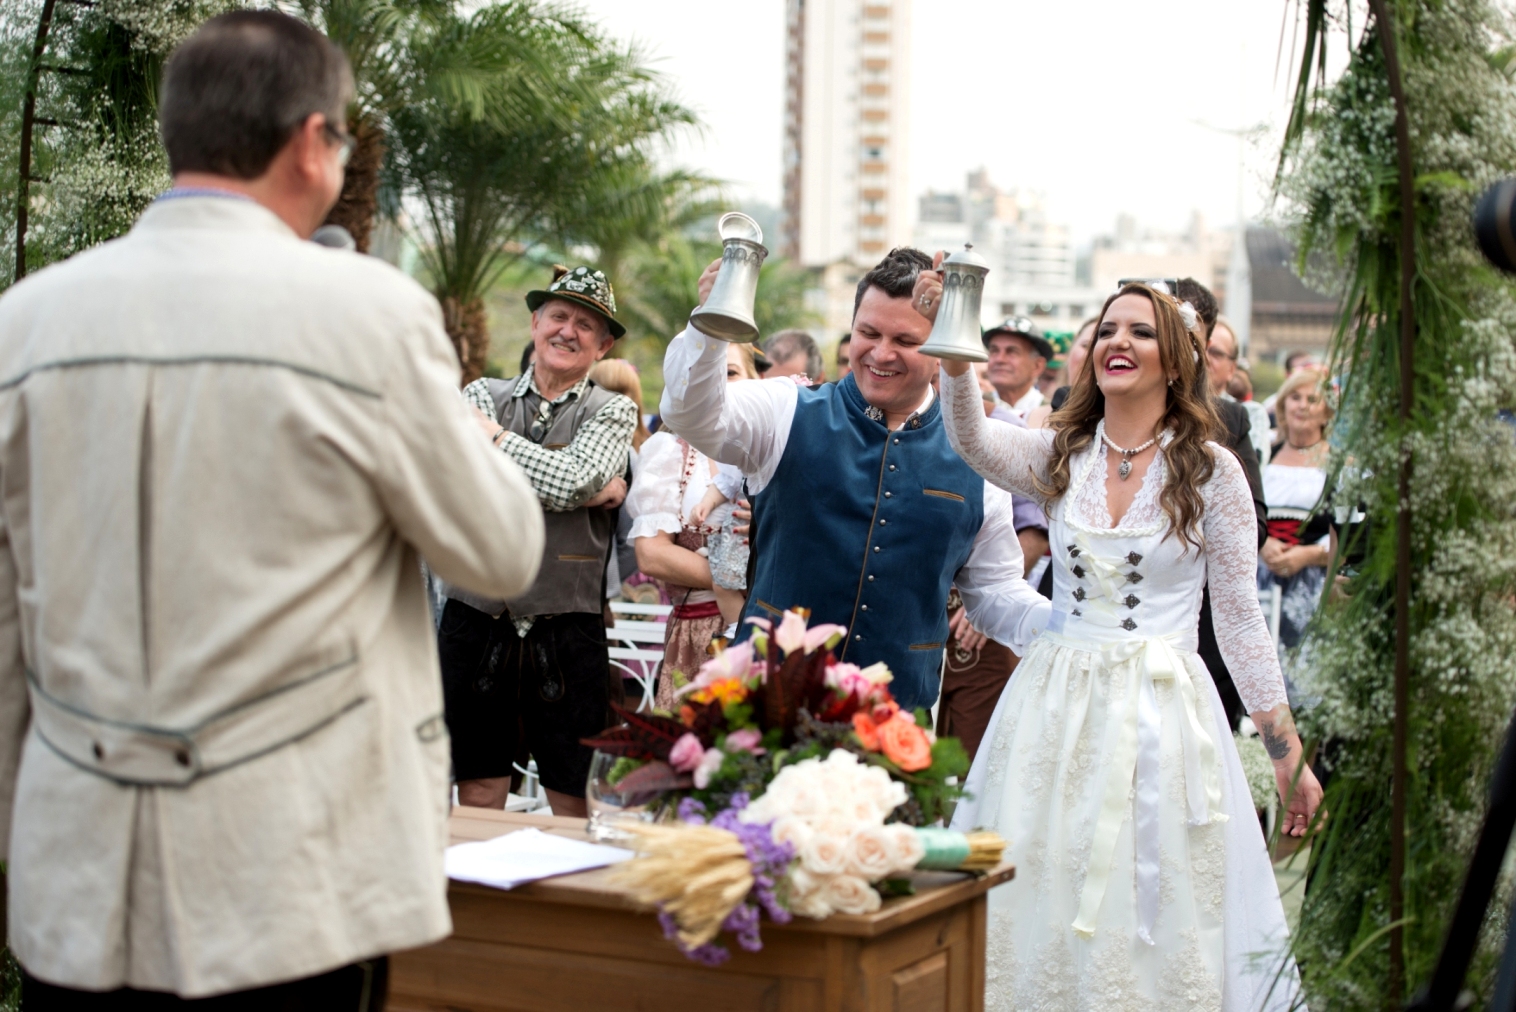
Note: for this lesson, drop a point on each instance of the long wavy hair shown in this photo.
(1189, 416)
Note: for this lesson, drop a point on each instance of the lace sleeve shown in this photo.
(653, 500)
(1003, 454)
(1230, 529)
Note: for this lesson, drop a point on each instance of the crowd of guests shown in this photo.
(330, 382)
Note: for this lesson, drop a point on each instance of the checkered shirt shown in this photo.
(565, 479)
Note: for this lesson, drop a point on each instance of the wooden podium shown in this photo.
(578, 943)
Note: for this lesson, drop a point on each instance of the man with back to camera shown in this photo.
(224, 765)
(1018, 352)
(862, 512)
(794, 353)
(539, 663)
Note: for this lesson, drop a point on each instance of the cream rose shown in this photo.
(849, 894)
(825, 854)
(905, 846)
(870, 853)
(806, 894)
(792, 831)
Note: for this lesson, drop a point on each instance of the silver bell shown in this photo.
(728, 311)
(956, 333)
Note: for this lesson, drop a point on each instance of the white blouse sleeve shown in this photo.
(653, 500)
(1231, 538)
(1003, 454)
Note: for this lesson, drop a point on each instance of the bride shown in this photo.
(1142, 877)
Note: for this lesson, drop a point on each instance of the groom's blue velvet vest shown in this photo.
(866, 528)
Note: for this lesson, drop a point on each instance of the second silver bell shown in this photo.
(956, 334)
(728, 311)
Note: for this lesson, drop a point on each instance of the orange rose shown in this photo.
(866, 730)
(905, 744)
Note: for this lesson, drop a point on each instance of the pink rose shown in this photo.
(745, 740)
(686, 754)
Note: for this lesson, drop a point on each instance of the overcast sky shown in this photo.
(1101, 105)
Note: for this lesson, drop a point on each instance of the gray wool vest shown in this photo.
(578, 542)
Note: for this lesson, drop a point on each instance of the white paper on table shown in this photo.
(525, 856)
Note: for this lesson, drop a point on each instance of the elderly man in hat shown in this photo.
(1018, 354)
(862, 512)
(537, 665)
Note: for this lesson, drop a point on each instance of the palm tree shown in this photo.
(531, 119)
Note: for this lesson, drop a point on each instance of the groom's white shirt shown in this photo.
(748, 424)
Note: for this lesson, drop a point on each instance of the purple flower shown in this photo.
(770, 861)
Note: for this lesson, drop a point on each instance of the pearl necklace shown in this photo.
(1125, 467)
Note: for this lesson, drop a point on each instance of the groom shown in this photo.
(862, 512)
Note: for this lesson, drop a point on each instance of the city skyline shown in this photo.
(1129, 133)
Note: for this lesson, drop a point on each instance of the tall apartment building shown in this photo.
(845, 130)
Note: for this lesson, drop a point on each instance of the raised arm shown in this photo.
(745, 424)
(1243, 636)
(1005, 455)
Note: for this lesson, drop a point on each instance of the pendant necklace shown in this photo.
(1125, 467)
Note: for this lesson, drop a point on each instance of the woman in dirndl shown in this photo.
(1142, 876)
(671, 532)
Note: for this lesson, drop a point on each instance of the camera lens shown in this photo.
(1492, 225)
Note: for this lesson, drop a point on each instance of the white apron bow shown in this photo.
(1136, 750)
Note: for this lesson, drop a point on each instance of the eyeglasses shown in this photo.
(1216, 354)
(1168, 286)
(342, 137)
(542, 422)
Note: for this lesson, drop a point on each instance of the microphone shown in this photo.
(335, 237)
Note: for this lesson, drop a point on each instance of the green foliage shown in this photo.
(548, 117)
(101, 162)
(1339, 173)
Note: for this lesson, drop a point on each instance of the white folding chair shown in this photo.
(636, 644)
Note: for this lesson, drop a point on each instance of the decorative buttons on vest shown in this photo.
(892, 467)
(889, 495)
(1128, 624)
(876, 548)
(1078, 571)
(1073, 551)
(1134, 577)
(897, 440)
(857, 639)
(1132, 601)
(871, 577)
(882, 522)
(865, 607)
(1079, 593)
(1133, 558)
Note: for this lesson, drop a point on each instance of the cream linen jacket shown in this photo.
(221, 451)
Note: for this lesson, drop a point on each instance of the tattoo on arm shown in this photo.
(1274, 742)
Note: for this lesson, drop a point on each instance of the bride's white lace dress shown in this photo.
(1142, 876)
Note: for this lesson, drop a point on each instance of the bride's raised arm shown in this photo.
(1003, 454)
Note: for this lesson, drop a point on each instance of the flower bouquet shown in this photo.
(796, 785)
